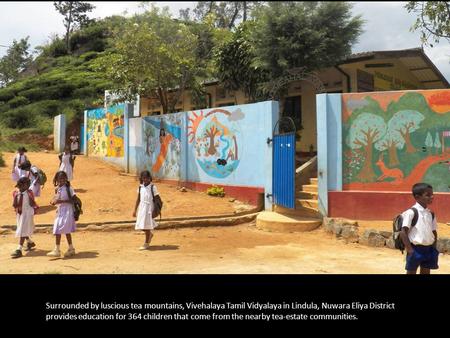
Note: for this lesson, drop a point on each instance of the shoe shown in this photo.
(69, 253)
(29, 246)
(54, 253)
(16, 254)
(146, 246)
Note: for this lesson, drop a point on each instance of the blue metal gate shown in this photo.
(81, 143)
(283, 180)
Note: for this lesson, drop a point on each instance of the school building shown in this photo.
(378, 122)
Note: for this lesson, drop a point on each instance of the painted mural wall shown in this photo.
(224, 145)
(105, 131)
(392, 140)
(162, 145)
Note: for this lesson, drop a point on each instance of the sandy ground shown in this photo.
(106, 195)
(240, 249)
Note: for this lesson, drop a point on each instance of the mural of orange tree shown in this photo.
(395, 139)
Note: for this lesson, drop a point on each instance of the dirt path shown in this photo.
(106, 195)
(241, 249)
(235, 249)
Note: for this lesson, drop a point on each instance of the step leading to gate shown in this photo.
(273, 221)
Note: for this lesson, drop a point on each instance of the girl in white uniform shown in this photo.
(65, 220)
(66, 163)
(144, 202)
(19, 159)
(25, 206)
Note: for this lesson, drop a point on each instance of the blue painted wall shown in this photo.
(329, 146)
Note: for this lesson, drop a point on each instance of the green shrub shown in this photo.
(18, 101)
(2, 161)
(216, 191)
(48, 108)
(6, 94)
(18, 118)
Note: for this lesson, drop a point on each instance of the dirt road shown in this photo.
(241, 249)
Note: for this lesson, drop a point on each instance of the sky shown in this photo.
(387, 25)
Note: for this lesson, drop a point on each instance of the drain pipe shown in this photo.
(346, 76)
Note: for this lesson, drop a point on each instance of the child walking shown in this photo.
(25, 206)
(19, 159)
(35, 184)
(67, 161)
(420, 236)
(145, 221)
(65, 220)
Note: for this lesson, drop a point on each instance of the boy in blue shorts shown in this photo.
(420, 238)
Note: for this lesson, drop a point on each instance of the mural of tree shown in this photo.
(391, 141)
(406, 122)
(365, 131)
(211, 133)
(149, 135)
(429, 142)
(437, 143)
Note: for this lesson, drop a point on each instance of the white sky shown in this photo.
(387, 25)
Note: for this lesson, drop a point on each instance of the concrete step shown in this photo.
(314, 180)
(273, 221)
(307, 195)
(310, 188)
(308, 203)
(300, 211)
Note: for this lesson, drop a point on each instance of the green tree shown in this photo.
(303, 34)
(433, 19)
(74, 13)
(227, 14)
(234, 64)
(152, 56)
(16, 59)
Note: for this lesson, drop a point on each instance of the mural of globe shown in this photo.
(217, 143)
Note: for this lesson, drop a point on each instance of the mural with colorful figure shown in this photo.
(162, 142)
(392, 140)
(216, 140)
(105, 131)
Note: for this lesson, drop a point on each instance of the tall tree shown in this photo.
(16, 59)
(153, 56)
(74, 13)
(234, 63)
(227, 14)
(433, 19)
(313, 35)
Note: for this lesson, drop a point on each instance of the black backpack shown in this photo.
(77, 204)
(397, 228)
(157, 203)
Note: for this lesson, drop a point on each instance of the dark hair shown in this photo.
(22, 149)
(418, 189)
(143, 174)
(23, 180)
(60, 173)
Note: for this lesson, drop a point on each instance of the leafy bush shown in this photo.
(2, 161)
(18, 101)
(6, 94)
(18, 118)
(216, 191)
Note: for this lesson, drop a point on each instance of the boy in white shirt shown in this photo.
(419, 232)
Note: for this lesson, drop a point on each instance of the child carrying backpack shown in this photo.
(415, 231)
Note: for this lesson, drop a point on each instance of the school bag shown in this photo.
(157, 203)
(77, 204)
(397, 228)
(41, 176)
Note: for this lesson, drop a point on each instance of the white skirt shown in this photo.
(144, 220)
